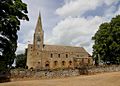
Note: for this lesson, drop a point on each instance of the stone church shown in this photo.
(43, 56)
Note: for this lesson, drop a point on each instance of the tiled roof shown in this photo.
(64, 48)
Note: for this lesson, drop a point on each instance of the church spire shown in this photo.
(38, 35)
(39, 24)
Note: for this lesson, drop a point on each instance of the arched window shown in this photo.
(51, 55)
(55, 63)
(59, 55)
(63, 63)
(66, 55)
(70, 62)
(39, 62)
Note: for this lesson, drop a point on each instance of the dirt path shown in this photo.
(106, 79)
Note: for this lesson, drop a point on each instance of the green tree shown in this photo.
(107, 42)
(11, 12)
(21, 61)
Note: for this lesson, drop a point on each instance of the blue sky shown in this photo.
(67, 22)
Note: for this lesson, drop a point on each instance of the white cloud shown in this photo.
(111, 12)
(79, 7)
(21, 48)
(109, 2)
(71, 30)
(25, 36)
(117, 12)
(79, 31)
(75, 31)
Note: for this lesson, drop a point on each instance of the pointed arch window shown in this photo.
(55, 63)
(59, 55)
(63, 63)
(51, 55)
(70, 62)
(66, 55)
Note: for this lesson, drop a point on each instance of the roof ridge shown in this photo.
(62, 46)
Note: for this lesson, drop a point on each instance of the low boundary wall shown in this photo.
(40, 74)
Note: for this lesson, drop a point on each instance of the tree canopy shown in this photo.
(21, 61)
(11, 12)
(107, 42)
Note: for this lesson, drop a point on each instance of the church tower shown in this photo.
(38, 35)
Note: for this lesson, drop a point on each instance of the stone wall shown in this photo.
(40, 74)
(102, 69)
(43, 74)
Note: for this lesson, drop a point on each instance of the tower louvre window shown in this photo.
(38, 38)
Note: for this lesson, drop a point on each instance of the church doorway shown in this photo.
(47, 65)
